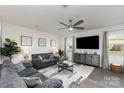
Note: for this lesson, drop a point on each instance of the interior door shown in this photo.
(116, 47)
(69, 48)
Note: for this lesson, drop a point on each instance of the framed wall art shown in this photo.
(42, 42)
(26, 40)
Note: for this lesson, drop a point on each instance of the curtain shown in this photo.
(0, 39)
(105, 61)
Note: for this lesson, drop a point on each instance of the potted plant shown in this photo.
(9, 48)
(61, 54)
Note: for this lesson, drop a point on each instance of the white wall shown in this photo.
(0, 39)
(92, 32)
(15, 32)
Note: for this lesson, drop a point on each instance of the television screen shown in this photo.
(91, 42)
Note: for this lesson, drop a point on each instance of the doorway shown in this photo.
(69, 48)
(116, 47)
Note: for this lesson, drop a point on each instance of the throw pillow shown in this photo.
(51, 83)
(40, 57)
(19, 67)
(47, 56)
(51, 56)
(32, 81)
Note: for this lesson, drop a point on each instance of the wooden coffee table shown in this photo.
(65, 65)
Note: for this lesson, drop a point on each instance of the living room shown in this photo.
(51, 40)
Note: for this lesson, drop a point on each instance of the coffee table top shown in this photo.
(69, 63)
(66, 63)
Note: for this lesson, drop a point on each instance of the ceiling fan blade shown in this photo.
(63, 23)
(61, 28)
(78, 23)
(78, 27)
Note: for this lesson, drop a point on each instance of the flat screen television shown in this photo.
(91, 42)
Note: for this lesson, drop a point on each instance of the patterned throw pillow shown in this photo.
(51, 56)
(32, 81)
(19, 67)
(40, 57)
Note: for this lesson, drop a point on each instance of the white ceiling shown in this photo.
(48, 16)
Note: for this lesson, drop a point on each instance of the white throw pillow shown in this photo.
(40, 57)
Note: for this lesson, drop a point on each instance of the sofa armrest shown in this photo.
(57, 58)
(51, 83)
(37, 63)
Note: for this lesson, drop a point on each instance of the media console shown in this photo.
(88, 59)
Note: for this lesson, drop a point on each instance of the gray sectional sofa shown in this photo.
(43, 60)
(11, 79)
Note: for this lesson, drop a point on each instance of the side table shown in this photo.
(117, 68)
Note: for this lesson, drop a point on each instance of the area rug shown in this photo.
(70, 80)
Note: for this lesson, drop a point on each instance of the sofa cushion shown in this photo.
(42, 77)
(32, 82)
(46, 60)
(28, 72)
(51, 83)
(19, 67)
(53, 60)
(47, 56)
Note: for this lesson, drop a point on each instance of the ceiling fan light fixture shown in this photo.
(70, 29)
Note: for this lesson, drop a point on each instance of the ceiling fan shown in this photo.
(71, 26)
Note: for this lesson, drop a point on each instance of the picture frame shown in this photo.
(42, 42)
(26, 40)
(53, 43)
